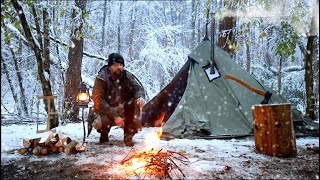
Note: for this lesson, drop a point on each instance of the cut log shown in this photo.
(273, 130)
(66, 140)
(70, 148)
(81, 147)
(30, 143)
(35, 142)
(58, 144)
(60, 149)
(54, 149)
(36, 151)
(46, 137)
(52, 142)
(23, 151)
(57, 136)
(44, 151)
(26, 143)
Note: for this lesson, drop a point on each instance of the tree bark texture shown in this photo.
(73, 76)
(273, 130)
(103, 26)
(226, 27)
(37, 21)
(119, 28)
(20, 80)
(14, 95)
(310, 109)
(193, 24)
(309, 78)
(131, 38)
(280, 75)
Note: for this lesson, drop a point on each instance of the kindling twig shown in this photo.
(159, 164)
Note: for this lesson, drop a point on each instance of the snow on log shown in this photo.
(46, 137)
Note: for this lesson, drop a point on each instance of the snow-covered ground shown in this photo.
(234, 158)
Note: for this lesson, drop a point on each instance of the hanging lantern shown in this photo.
(83, 96)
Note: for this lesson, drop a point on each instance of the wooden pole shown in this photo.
(273, 130)
(48, 98)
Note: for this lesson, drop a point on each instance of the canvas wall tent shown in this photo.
(192, 105)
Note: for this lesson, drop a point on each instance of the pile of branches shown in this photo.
(158, 164)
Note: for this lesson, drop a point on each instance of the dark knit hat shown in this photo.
(115, 58)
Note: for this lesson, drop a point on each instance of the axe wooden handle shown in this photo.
(260, 92)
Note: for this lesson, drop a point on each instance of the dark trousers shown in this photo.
(132, 120)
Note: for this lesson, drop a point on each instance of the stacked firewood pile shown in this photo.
(51, 143)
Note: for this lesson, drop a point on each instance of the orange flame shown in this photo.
(158, 122)
(152, 145)
(152, 141)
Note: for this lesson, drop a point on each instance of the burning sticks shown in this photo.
(155, 164)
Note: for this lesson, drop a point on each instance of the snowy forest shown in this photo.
(48, 47)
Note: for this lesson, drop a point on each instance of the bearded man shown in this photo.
(118, 98)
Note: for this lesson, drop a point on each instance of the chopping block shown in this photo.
(273, 130)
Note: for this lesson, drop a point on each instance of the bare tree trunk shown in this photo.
(309, 78)
(227, 25)
(46, 86)
(119, 28)
(103, 25)
(73, 76)
(280, 75)
(193, 24)
(14, 95)
(248, 64)
(20, 80)
(173, 21)
(46, 56)
(165, 41)
(199, 28)
(37, 21)
(61, 84)
(46, 42)
(308, 66)
(133, 21)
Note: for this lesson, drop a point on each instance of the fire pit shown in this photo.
(154, 162)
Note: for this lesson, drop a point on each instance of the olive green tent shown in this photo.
(200, 102)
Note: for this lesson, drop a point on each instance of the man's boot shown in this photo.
(104, 137)
(128, 140)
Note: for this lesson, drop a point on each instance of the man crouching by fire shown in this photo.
(118, 98)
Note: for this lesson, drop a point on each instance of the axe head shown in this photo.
(267, 97)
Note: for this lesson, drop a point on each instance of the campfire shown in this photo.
(154, 162)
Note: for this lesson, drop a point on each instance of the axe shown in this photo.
(267, 95)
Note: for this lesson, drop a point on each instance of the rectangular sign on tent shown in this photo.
(214, 75)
